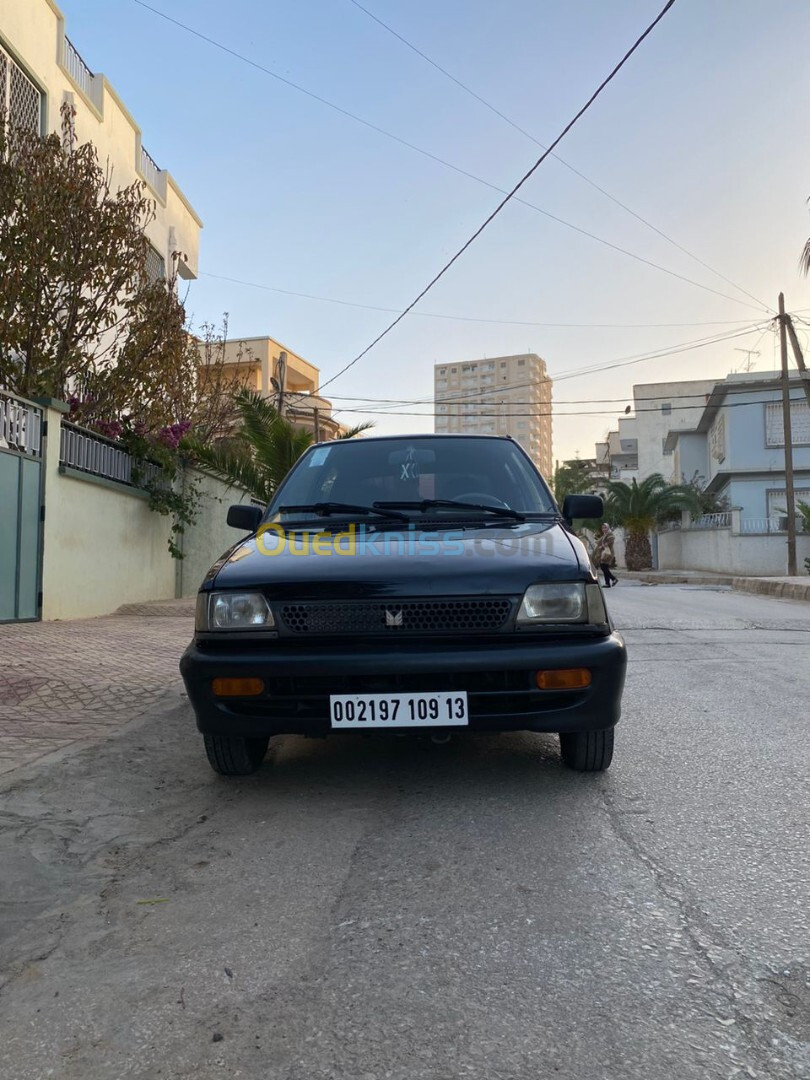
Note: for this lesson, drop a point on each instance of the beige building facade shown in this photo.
(638, 447)
(40, 70)
(278, 373)
(502, 395)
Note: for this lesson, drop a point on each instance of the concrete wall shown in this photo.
(210, 535)
(103, 546)
(719, 551)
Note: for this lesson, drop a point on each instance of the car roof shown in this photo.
(420, 435)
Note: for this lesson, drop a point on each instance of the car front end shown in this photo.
(413, 624)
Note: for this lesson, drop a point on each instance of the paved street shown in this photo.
(363, 910)
(68, 682)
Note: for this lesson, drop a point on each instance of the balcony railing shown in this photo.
(712, 521)
(152, 173)
(93, 454)
(81, 74)
(20, 425)
(763, 526)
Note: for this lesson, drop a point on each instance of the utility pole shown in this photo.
(316, 426)
(804, 375)
(788, 433)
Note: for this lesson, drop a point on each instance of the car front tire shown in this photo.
(231, 755)
(587, 751)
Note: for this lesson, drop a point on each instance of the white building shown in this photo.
(638, 447)
(504, 395)
(40, 70)
(617, 455)
(661, 408)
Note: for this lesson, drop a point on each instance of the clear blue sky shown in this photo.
(703, 133)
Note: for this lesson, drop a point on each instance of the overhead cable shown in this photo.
(558, 415)
(437, 277)
(441, 161)
(492, 108)
(470, 318)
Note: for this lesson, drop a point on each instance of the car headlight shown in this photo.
(233, 611)
(555, 602)
(562, 602)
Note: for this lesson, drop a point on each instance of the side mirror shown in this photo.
(245, 516)
(583, 506)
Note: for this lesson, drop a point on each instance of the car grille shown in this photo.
(452, 616)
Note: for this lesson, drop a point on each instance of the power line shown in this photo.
(492, 108)
(687, 346)
(469, 318)
(571, 401)
(655, 356)
(583, 412)
(434, 157)
(510, 195)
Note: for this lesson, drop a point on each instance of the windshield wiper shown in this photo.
(324, 509)
(452, 504)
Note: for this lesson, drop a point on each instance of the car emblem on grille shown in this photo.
(393, 618)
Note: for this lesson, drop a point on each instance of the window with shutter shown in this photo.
(155, 266)
(20, 99)
(799, 423)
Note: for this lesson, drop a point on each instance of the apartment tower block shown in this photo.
(504, 395)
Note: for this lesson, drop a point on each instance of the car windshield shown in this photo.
(404, 471)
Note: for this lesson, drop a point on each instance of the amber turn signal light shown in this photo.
(564, 679)
(237, 687)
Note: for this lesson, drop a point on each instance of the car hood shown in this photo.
(499, 560)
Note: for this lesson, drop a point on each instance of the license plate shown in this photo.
(398, 710)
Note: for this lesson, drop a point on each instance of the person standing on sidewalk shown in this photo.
(603, 555)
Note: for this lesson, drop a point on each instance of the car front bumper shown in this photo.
(498, 676)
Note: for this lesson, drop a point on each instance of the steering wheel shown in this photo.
(481, 497)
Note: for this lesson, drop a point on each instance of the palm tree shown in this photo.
(262, 452)
(638, 508)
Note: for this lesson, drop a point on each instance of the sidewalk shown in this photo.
(68, 682)
(788, 588)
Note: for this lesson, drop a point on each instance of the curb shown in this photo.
(672, 577)
(775, 587)
(786, 590)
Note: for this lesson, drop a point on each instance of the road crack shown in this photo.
(763, 1037)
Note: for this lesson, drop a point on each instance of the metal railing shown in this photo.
(152, 173)
(20, 425)
(763, 526)
(713, 521)
(93, 454)
(87, 82)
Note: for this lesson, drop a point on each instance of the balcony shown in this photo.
(152, 173)
(90, 85)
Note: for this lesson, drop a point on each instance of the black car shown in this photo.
(425, 583)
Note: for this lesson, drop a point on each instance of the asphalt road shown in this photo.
(363, 910)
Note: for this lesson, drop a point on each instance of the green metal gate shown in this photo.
(21, 431)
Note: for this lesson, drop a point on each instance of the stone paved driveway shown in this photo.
(70, 682)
